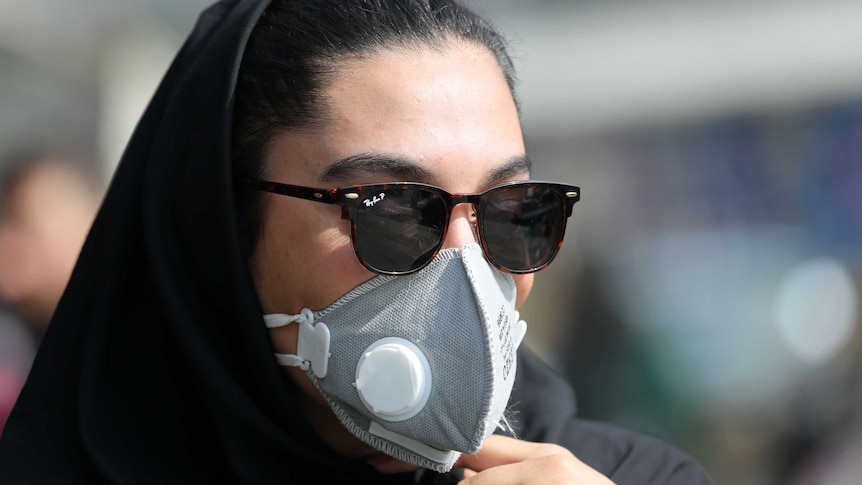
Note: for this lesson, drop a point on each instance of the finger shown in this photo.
(556, 468)
(538, 470)
(502, 450)
(500, 475)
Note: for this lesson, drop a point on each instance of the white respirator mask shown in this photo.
(418, 366)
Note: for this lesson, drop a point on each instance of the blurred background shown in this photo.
(708, 291)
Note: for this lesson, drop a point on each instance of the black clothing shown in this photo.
(157, 367)
(545, 411)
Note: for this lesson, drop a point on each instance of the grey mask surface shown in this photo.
(418, 366)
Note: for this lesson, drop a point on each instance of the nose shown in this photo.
(461, 227)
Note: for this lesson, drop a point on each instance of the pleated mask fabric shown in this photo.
(457, 329)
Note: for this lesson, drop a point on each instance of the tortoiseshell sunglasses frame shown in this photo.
(350, 197)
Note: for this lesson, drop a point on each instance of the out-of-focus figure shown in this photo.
(46, 208)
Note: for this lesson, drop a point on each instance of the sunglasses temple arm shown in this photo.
(308, 193)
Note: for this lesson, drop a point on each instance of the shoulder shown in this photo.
(543, 408)
(628, 457)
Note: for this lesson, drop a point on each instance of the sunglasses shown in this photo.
(398, 228)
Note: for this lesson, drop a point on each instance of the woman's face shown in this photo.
(447, 117)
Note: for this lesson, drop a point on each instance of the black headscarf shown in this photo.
(157, 367)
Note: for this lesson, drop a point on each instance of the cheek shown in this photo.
(524, 283)
(304, 258)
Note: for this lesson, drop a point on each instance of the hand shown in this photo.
(503, 460)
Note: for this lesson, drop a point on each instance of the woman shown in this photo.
(391, 306)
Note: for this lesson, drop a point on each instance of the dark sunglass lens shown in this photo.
(523, 226)
(398, 229)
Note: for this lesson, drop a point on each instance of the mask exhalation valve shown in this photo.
(393, 379)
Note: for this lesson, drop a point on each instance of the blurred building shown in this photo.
(708, 291)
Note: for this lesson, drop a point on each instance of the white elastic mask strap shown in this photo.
(275, 320)
(312, 344)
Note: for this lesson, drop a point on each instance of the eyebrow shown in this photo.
(373, 163)
(514, 166)
(403, 168)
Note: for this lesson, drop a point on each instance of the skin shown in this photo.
(43, 222)
(448, 118)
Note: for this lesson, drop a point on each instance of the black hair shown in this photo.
(292, 55)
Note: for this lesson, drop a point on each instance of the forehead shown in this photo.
(448, 110)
